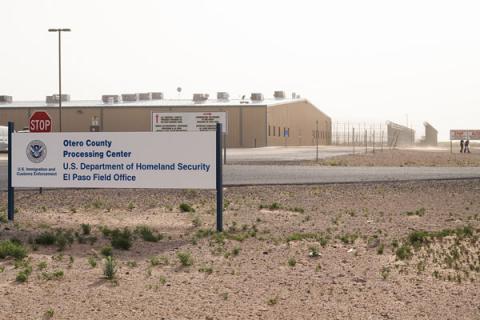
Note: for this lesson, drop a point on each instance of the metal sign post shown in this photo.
(11, 190)
(219, 173)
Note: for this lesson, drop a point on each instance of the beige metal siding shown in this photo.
(300, 120)
(254, 131)
(78, 119)
(247, 124)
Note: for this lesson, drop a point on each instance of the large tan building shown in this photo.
(254, 122)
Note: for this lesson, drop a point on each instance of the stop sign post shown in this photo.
(40, 121)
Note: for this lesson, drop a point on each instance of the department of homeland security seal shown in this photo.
(36, 151)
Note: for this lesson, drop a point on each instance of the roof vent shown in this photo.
(279, 94)
(111, 98)
(256, 96)
(54, 98)
(200, 97)
(129, 97)
(224, 96)
(6, 99)
(145, 96)
(157, 95)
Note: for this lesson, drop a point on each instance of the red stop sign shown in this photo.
(40, 121)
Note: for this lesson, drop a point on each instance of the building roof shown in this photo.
(153, 103)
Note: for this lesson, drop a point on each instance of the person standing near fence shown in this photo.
(461, 146)
(467, 146)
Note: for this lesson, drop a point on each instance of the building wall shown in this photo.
(399, 135)
(246, 124)
(300, 119)
(431, 135)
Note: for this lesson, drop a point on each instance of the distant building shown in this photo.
(431, 135)
(252, 121)
(399, 135)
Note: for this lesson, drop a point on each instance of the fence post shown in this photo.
(366, 143)
(381, 138)
(353, 139)
(316, 138)
(373, 142)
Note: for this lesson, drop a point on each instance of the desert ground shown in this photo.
(407, 158)
(390, 158)
(351, 251)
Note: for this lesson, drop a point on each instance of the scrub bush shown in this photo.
(185, 207)
(185, 258)
(110, 268)
(12, 249)
(122, 239)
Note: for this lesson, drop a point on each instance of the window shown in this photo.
(279, 132)
(274, 131)
(269, 130)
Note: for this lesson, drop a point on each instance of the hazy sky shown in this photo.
(372, 60)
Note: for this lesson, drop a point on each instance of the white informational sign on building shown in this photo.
(464, 134)
(114, 160)
(188, 121)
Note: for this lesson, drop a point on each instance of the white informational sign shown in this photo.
(114, 160)
(464, 134)
(188, 121)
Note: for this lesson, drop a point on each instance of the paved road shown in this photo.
(278, 174)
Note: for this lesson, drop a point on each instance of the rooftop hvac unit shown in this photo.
(279, 94)
(54, 98)
(65, 97)
(129, 97)
(145, 96)
(157, 95)
(295, 96)
(6, 99)
(200, 97)
(224, 96)
(111, 98)
(256, 96)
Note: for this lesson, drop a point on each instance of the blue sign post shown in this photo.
(219, 174)
(11, 190)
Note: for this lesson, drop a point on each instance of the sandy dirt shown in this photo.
(407, 158)
(265, 265)
(389, 158)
